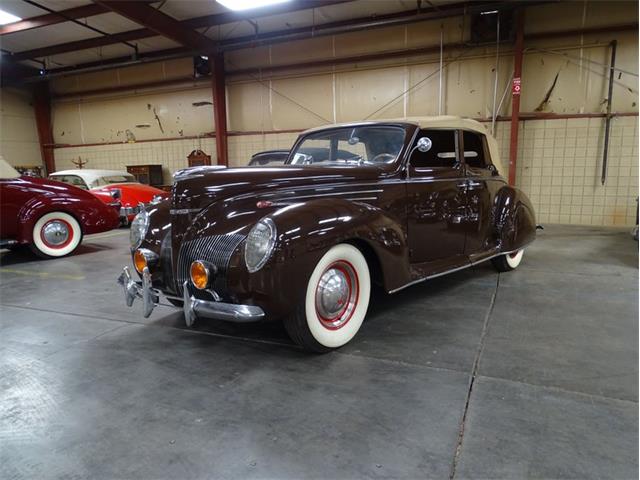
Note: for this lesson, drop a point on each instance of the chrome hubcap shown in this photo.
(337, 295)
(55, 233)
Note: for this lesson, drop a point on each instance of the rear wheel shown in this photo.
(335, 301)
(56, 234)
(509, 261)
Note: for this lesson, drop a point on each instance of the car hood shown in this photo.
(197, 191)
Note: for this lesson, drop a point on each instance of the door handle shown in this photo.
(463, 184)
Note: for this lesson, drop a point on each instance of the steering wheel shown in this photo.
(383, 157)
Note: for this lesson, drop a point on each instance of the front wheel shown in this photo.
(56, 234)
(335, 302)
(508, 261)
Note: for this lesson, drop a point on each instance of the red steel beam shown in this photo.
(516, 88)
(42, 110)
(52, 18)
(220, 108)
(160, 23)
(197, 22)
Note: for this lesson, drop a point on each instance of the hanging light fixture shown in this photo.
(248, 4)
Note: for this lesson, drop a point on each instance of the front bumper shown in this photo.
(193, 308)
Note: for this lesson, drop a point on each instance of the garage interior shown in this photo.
(477, 374)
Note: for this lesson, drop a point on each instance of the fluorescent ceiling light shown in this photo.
(248, 4)
(6, 17)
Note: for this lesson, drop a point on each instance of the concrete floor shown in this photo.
(88, 388)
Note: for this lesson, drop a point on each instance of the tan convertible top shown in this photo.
(442, 121)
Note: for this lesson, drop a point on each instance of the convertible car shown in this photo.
(110, 185)
(391, 202)
(49, 216)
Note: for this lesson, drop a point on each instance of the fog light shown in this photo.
(199, 275)
(139, 261)
(143, 257)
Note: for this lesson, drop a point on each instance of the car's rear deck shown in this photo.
(532, 373)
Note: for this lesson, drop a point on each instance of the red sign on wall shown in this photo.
(516, 86)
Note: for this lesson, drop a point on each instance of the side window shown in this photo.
(474, 155)
(442, 153)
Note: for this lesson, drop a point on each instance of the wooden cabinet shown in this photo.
(147, 174)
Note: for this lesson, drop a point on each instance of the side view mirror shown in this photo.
(424, 144)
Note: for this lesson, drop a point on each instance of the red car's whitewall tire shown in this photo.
(56, 234)
(509, 261)
(335, 302)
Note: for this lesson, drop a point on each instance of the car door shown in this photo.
(436, 199)
(481, 183)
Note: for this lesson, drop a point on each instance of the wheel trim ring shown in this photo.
(70, 234)
(342, 317)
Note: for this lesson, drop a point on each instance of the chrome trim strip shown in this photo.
(184, 211)
(457, 269)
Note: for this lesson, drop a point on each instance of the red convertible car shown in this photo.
(110, 185)
(49, 216)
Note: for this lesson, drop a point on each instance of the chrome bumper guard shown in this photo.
(126, 211)
(193, 308)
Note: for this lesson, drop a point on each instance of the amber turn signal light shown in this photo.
(139, 261)
(199, 275)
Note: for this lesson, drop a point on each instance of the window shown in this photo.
(442, 153)
(74, 180)
(102, 181)
(474, 149)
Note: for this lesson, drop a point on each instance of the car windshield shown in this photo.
(108, 180)
(364, 145)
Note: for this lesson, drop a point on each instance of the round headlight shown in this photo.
(259, 244)
(139, 228)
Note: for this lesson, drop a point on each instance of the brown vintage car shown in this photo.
(392, 202)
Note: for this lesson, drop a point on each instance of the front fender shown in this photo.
(305, 232)
(515, 219)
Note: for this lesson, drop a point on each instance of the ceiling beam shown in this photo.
(161, 24)
(197, 22)
(52, 18)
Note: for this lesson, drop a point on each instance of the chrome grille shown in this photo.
(215, 249)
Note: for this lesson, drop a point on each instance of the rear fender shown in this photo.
(515, 219)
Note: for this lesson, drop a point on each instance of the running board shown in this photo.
(7, 243)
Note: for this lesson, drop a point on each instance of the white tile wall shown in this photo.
(559, 164)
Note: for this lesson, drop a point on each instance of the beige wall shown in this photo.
(549, 165)
(19, 143)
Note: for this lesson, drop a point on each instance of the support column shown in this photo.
(220, 108)
(42, 110)
(516, 87)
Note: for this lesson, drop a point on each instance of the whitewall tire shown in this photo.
(508, 261)
(56, 234)
(335, 302)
